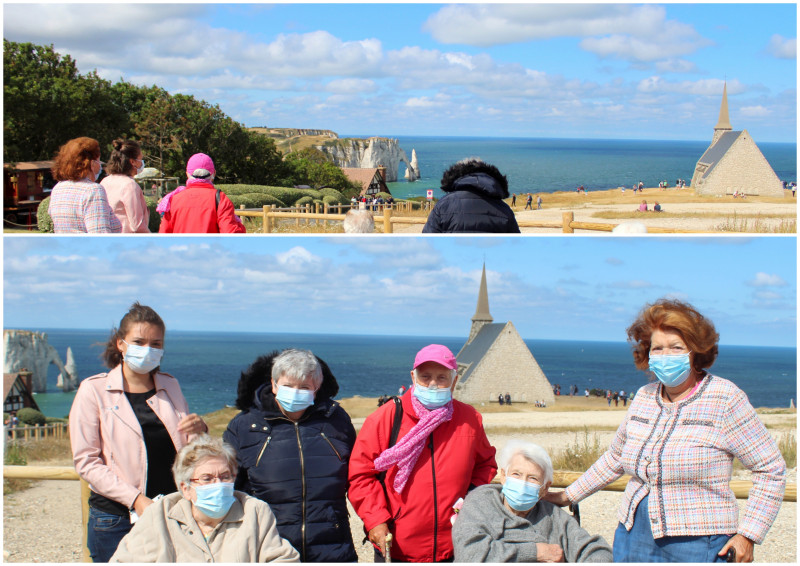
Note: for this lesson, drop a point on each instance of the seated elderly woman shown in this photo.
(511, 523)
(206, 521)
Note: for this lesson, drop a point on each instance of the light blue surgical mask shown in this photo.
(521, 495)
(100, 170)
(671, 369)
(214, 499)
(432, 397)
(294, 400)
(142, 359)
(140, 168)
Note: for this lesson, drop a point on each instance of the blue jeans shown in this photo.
(105, 530)
(638, 544)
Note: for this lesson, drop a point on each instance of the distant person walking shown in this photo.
(529, 202)
(199, 207)
(514, 200)
(78, 203)
(539, 202)
(473, 201)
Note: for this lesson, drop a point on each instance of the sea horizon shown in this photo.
(208, 364)
(550, 164)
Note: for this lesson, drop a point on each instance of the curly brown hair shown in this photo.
(124, 152)
(137, 313)
(671, 314)
(73, 161)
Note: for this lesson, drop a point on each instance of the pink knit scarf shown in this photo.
(407, 450)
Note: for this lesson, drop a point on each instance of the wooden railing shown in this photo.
(269, 215)
(34, 432)
(740, 488)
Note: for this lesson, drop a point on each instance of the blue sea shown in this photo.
(208, 364)
(549, 165)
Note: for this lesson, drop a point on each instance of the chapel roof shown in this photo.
(472, 352)
(716, 152)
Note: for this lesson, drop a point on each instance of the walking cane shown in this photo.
(388, 545)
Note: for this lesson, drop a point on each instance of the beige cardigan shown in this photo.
(167, 532)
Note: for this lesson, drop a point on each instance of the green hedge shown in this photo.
(31, 416)
(43, 220)
(283, 196)
(154, 221)
(254, 200)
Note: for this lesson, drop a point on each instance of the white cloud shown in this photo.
(766, 280)
(754, 111)
(638, 33)
(782, 47)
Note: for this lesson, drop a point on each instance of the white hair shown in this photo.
(202, 448)
(297, 365)
(202, 174)
(359, 222)
(531, 452)
(630, 227)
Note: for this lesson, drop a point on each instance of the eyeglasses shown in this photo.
(206, 479)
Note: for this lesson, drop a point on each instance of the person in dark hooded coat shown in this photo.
(293, 444)
(474, 201)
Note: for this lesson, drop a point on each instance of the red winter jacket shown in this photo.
(194, 210)
(461, 456)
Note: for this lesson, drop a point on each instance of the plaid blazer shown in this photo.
(681, 455)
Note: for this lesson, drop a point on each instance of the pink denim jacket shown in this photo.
(107, 443)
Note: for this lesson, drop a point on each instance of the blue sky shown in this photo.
(652, 71)
(581, 288)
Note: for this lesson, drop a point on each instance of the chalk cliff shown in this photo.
(412, 171)
(68, 381)
(369, 153)
(23, 349)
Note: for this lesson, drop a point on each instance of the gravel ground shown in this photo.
(43, 524)
(719, 214)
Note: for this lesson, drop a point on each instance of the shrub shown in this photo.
(308, 199)
(332, 196)
(788, 447)
(31, 416)
(55, 420)
(254, 200)
(154, 221)
(580, 456)
(43, 220)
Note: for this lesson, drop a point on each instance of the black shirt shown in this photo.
(160, 455)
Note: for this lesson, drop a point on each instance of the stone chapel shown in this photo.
(495, 360)
(733, 163)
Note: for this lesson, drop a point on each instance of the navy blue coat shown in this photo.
(300, 469)
(473, 204)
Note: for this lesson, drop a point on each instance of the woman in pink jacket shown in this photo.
(126, 427)
(124, 194)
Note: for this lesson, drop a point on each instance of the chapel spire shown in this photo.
(724, 121)
(482, 315)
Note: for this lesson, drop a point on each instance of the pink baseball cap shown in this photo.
(436, 353)
(202, 164)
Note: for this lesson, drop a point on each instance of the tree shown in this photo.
(311, 167)
(47, 102)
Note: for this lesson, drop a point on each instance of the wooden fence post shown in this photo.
(387, 221)
(566, 222)
(265, 228)
(326, 211)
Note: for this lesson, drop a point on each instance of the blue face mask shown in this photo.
(214, 499)
(672, 369)
(434, 397)
(142, 359)
(521, 495)
(293, 400)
